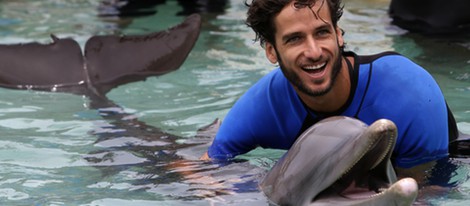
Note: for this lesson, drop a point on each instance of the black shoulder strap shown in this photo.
(370, 58)
(453, 130)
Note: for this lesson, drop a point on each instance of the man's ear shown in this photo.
(339, 34)
(270, 52)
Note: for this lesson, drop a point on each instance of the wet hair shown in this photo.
(261, 13)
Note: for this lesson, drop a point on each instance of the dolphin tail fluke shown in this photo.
(42, 66)
(116, 60)
(108, 62)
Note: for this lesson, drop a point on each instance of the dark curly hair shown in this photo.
(261, 13)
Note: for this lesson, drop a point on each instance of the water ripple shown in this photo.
(27, 155)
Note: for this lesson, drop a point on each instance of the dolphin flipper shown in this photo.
(109, 61)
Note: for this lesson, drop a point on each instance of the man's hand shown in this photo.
(419, 172)
(205, 157)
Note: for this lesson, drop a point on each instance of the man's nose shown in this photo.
(312, 49)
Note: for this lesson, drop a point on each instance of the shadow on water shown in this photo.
(161, 160)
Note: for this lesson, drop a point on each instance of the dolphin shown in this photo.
(340, 161)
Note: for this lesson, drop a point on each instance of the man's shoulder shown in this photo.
(366, 59)
(390, 63)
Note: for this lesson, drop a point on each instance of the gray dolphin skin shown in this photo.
(340, 161)
(108, 61)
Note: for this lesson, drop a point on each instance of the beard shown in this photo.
(302, 86)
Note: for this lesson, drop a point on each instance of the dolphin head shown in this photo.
(340, 160)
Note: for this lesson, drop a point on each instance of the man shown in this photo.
(317, 79)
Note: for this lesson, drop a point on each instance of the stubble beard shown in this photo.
(302, 86)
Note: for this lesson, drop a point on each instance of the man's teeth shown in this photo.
(314, 67)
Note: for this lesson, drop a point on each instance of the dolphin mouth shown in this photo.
(402, 192)
(364, 179)
(372, 177)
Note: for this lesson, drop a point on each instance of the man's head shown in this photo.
(261, 15)
(303, 37)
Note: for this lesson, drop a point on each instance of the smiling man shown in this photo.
(317, 79)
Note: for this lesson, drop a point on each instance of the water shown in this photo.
(56, 150)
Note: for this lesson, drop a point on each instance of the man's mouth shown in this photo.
(315, 69)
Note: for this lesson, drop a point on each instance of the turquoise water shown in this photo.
(56, 150)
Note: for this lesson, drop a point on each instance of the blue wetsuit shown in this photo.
(271, 115)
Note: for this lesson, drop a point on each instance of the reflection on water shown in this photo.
(56, 150)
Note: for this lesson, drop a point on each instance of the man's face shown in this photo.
(307, 48)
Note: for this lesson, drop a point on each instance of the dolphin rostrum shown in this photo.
(340, 161)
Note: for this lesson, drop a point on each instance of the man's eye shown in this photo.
(293, 39)
(323, 32)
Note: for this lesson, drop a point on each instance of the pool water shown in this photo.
(57, 150)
